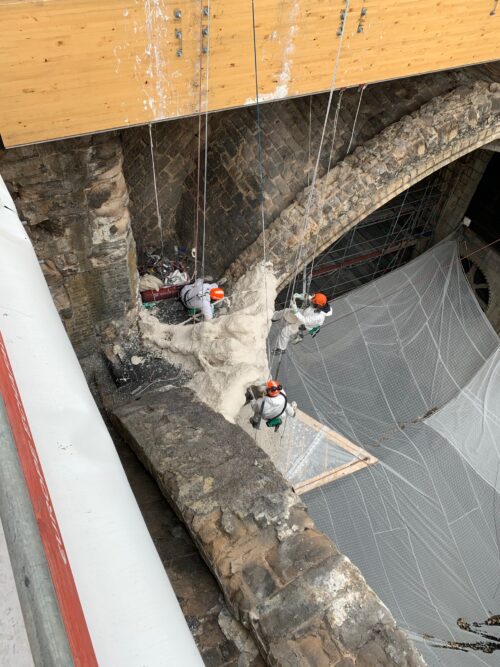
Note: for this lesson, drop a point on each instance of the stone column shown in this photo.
(74, 200)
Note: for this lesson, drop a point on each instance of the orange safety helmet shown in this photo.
(273, 388)
(216, 293)
(319, 299)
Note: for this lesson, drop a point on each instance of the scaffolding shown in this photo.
(382, 242)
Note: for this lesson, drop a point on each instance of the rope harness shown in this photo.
(187, 300)
(274, 422)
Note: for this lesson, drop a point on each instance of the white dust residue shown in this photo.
(228, 353)
(156, 73)
(285, 75)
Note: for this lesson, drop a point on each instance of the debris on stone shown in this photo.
(135, 360)
(148, 281)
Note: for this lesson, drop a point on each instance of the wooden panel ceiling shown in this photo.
(69, 67)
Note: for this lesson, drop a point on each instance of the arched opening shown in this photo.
(413, 221)
(439, 134)
(383, 241)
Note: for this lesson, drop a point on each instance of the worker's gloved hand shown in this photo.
(294, 406)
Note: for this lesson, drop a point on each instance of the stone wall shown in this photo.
(304, 602)
(441, 131)
(463, 177)
(175, 151)
(74, 200)
(291, 131)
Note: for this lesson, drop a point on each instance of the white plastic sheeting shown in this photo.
(131, 610)
(409, 369)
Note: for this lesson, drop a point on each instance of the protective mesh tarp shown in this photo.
(409, 369)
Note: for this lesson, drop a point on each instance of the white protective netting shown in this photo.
(409, 369)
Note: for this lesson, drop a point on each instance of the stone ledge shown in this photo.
(304, 602)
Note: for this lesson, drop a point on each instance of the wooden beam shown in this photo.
(330, 476)
(70, 67)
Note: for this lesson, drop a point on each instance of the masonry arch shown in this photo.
(440, 132)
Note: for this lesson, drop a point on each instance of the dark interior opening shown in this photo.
(484, 209)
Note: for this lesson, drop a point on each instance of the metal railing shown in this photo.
(44, 627)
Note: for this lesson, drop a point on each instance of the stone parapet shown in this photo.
(304, 602)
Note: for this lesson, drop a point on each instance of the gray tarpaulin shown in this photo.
(408, 367)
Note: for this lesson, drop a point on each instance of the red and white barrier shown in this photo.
(116, 602)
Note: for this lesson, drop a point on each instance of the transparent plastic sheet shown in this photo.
(308, 453)
(409, 369)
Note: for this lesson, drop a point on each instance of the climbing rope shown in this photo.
(320, 148)
(298, 256)
(304, 276)
(309, 142)
(307, 282)
(197, 213)
(205, 170)
(198, 174)
(347, 247)
(158, 214)
(363, 88)
(261, 170)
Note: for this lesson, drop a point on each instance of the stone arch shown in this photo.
(440, 132)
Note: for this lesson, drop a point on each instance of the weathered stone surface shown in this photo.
(441, 131)
(74, 198)
(221, 639)
(304, 603)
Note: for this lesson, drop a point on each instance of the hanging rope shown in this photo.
(307, 284)
(304, 276)
(261, 169)
(197, 214)
(363, 88)
(329, 165)
(309, 142)
(198, 175)
(205, 170)
(298, 255)
(158, 214)
(320, 149)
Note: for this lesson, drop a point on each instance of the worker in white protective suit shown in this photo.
(271, 406)
(199, 297)
(309, 319)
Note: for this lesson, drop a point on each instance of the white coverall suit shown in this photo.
(197, 296)
(310, 318)
(273, 407)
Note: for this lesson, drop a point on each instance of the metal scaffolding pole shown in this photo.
(44, 626)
